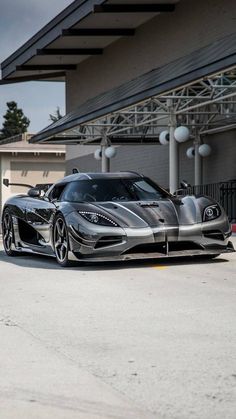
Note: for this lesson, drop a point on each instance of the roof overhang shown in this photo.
(81, 30)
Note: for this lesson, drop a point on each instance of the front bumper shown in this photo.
(98, 243)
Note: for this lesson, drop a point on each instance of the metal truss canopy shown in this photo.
(205, 106)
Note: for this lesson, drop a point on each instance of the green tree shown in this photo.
(15, 121)
(56, 116)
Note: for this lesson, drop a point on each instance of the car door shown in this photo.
(39, 216)
(40, 213)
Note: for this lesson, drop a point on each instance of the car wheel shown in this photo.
(8, 233)
(61, 241)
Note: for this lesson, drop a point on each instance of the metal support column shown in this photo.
(173, 151)
(105, 160)
(197, 162)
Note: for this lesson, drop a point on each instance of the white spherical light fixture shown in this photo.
(182, 134)
(204, 150)
(164, 137)
(110, 152)
(190, 152)
(98, 154)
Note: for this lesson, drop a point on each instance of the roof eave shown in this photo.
(70, 16)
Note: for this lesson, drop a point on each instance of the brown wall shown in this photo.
(153, 161)
(221, 164)
(194, 24)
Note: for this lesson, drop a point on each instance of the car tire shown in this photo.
(8, 233)
(61, 241)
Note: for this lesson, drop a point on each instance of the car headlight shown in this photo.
(96, 218)
(211, 213)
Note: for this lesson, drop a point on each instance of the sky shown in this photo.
(19, 21)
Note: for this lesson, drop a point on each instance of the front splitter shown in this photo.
(156, 255)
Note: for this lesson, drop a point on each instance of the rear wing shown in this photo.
(7, 184)
(42, 186)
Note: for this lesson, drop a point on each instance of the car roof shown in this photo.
(84, 176)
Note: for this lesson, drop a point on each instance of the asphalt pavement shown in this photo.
(152, 339)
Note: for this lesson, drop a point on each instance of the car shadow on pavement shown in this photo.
(47, 262)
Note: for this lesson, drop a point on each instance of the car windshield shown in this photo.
(118, 189)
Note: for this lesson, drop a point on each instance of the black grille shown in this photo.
(108, 241)
(187, 245)
(162, 247)
(215, 234)
(148, 248)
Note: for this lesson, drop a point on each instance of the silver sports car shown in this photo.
(112, 216)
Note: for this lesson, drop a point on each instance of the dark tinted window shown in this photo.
(56, 192)
(113, 190)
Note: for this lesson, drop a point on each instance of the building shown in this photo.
(21, 162)
(132, 70)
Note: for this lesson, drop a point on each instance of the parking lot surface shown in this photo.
(126, 340)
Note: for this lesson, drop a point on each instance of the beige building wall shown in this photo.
(30, 169)
(5, 174)
(33, 173)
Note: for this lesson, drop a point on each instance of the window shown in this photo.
(144, 190)
(117, 189)
(56, 192)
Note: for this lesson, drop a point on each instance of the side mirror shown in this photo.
(34, 192)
